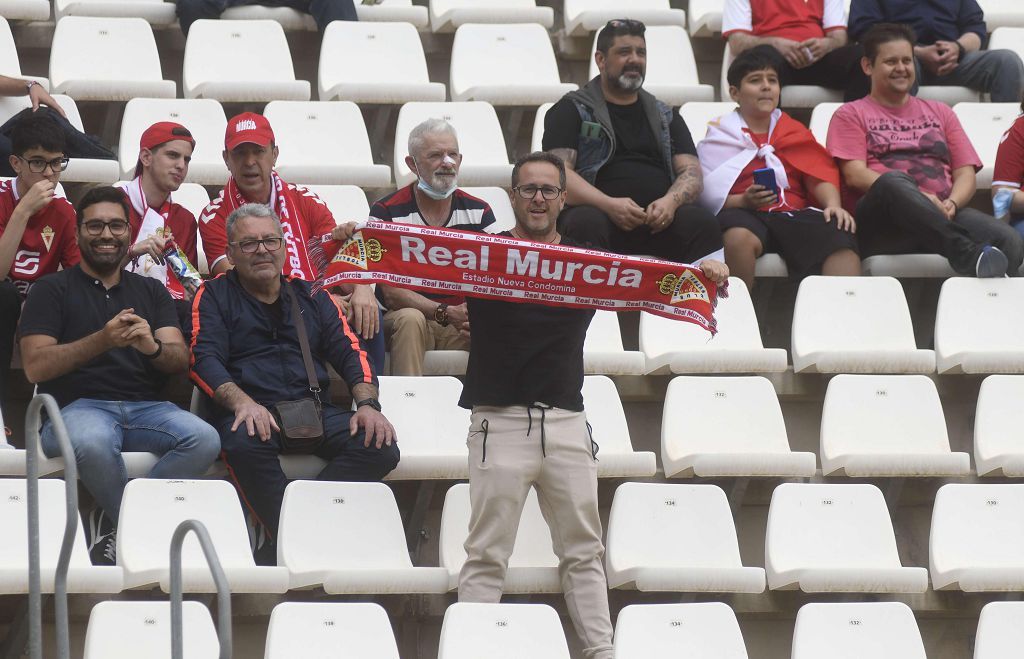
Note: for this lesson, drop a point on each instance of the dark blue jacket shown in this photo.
(235, 340)
(932, 20)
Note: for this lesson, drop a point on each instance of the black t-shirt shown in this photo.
(70, 305)
(523, 353)
(637, 167)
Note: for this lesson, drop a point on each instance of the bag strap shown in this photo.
(307, 357)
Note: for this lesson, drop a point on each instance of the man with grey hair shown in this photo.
(248, 358)
(417, 322)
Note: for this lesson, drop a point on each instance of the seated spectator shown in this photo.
(950, 34)
(753, 218)
(323, 11)
(102, 342)
(37, 225)
(1007, 196)
(909, 169)
(633, 173)
(250, 155)
(164, 153)
(807, 41)
(37, 95)
(246, 355)
(417, 322)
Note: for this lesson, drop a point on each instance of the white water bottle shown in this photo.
(1001, 202)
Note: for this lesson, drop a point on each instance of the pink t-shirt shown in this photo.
(922, 138)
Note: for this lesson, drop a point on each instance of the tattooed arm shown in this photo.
(685, 189)
(623, 211)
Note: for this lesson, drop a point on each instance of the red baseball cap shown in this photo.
(248, 128)
(159, 133)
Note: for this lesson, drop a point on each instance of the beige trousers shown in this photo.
(409, 335)
(555, 456)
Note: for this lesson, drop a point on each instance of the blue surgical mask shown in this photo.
(431, 191)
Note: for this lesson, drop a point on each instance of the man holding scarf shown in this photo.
(165, 150)
(250, 155)
(754, 219)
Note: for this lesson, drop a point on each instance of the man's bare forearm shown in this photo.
(173, 358)
(230, 396)
(362, 391)
(688, 185)
(44, 363)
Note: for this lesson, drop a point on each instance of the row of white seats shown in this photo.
(347, 538)
(705, 630)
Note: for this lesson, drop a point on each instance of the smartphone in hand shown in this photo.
(766, 177)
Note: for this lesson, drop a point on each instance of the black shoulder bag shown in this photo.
(301, 421)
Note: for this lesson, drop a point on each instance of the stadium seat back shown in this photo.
(323, 630)
(508, 631)
(410, 400)
(1000, 630)
(204, 118)
(705, 17)
(52, 518)
(605, 415)
(585, 16)
(821, 117)
(704, 630)
(156, 12)
(126, 630)
(698, 114)
(985, 124)
(881, 630)
(977, 325)
(997, 424)
(10, 63)
(448, 15)
(347, 203)
(501, 206)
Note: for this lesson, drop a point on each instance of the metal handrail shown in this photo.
(221, 581)
(60, 582)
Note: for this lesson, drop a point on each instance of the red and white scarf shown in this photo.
(154, 222)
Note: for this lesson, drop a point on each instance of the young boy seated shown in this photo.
(804, 221)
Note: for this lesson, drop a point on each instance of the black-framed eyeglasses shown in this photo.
(252, 246)
(549, 192)
(95, 227)
(38, 165)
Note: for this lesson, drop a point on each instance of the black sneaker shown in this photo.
(102, 538)
(991, 263)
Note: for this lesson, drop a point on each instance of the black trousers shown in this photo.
(10, 311)
(693, 234)
(838, 69)
(256, 472)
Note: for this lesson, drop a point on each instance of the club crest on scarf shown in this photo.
(682, 288)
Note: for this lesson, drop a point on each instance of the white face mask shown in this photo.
(433, 192)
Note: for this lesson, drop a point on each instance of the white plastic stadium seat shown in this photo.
(949, 95)
(678, 346)
(985, 124)
(435, 450)
(194, 198)
(447, 15)
(976, 535)
(501, 206)
(347, 203)
(1008, 38)
(714, 427)
(240, 61)
(88, 60)
(821, 117)
(585, 16)
(927, 266)
(1000, 630)
(306, 130)
(505, 65)
(80, 170)
(83, 577)
(855, 325)
(484, 157)
(703, 630)
(397, 11)
(204, 118)
(289, 19)
(399, 68)
(998, 450)
(835, 538)
(603, 352)
(445, 362)
(880, 630)
(698, 114)
(150, 511)
(977, 326)
(349, 538)
(886, 425)
(616, 457)
(322, 630)
(507, 631)
(705, 17)
(25, 10)
(681, 538)
(671, 68)
(533, 566)
(125, 630)
(156, 12)
(10, 63)
(1000, 15)
(792, 96)
(388, 11)
(537, 139)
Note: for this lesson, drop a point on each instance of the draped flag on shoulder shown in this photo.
(502, 268)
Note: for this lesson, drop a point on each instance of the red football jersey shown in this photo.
(49, 240)
(178, 219)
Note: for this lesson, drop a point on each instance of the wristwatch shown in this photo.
(372, 402)
(159, 349)
(441, 315)
(29, 84)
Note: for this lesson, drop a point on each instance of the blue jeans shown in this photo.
(100, 430)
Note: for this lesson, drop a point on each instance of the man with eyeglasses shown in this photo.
(246, 356)
(103, 341)
(416, 322)
(633, 175)
(37, 224)
(165, 150)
